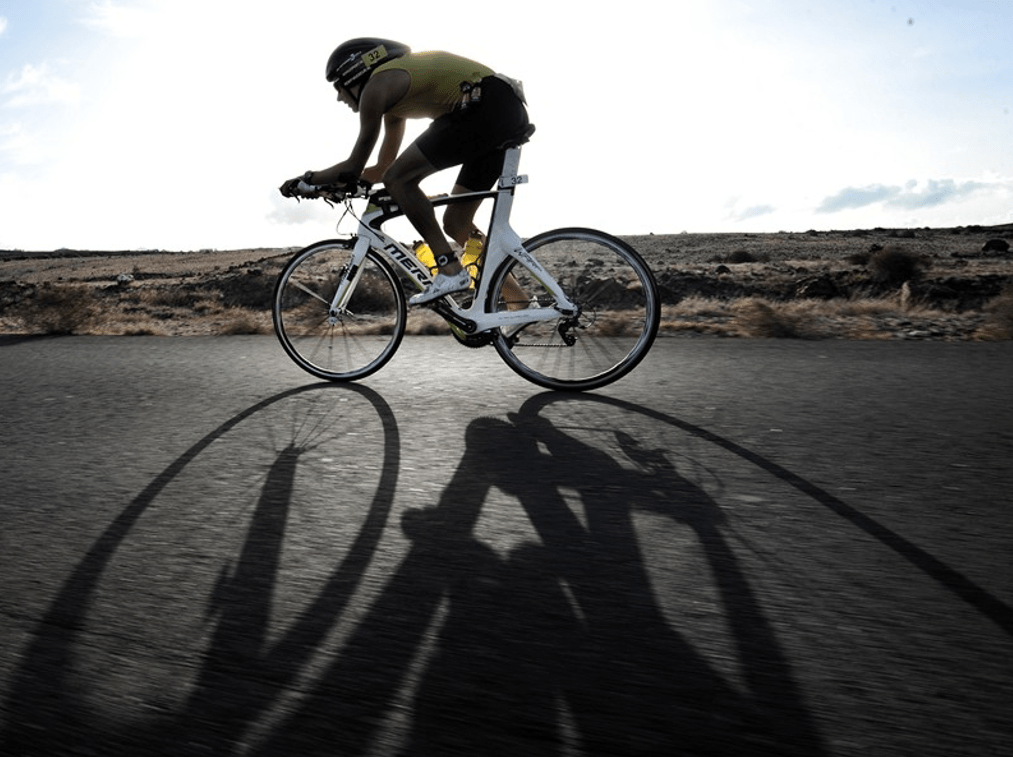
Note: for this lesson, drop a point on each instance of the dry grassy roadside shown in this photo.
(878, 284)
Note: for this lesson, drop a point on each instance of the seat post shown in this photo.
(511, 164)
(499, 226)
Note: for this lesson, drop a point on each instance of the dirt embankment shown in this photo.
(865, 284)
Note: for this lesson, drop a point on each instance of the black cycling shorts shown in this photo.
(472, 137)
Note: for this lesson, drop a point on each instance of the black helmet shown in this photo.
(353, 61)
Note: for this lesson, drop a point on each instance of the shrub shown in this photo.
(741, 256)
(172, 296)
(999, 316)
(250, 289)
(893, 265)
(61, 309)
(242, 322)
(756, 318)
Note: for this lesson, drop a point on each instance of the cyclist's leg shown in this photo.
(402, 180)
(478, 175)
(472, 138)
(449, 141)
(459, 218)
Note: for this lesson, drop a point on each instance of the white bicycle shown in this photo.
(588, 314)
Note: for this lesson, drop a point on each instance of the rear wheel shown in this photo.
(345, 344)
(617, 318)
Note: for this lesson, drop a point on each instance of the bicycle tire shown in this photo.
(617, 322)
(346, 345)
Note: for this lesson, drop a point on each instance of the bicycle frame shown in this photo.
(502, 242)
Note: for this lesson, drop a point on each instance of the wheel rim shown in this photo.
(342, 345)
(617, 322)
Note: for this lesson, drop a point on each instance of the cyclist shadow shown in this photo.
(243, 673)
(558, 645)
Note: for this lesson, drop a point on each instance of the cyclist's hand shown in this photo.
(347, 185)
(291, 187)
(372, 175)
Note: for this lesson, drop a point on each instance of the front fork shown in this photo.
(348, 281)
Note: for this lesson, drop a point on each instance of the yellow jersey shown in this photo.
(436, 79)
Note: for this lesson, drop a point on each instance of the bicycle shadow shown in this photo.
(979, 599)
(552, 647)
(242, 674)
(558, 647)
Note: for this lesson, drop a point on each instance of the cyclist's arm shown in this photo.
(380, 93)
(390, 147)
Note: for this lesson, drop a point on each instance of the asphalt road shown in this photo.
(743, 548)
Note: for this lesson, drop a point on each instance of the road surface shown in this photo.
(743, 548)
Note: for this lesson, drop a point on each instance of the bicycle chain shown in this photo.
(550, 346)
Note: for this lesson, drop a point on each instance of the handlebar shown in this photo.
(299, 189)
(336, 194)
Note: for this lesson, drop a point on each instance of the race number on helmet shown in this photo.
(353, 61)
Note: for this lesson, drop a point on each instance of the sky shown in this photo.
(170, 124)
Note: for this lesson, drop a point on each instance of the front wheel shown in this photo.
(617, 318)
(346, 343)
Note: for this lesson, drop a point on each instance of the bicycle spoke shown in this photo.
(302, 287)
(353, 342)
(618, 311)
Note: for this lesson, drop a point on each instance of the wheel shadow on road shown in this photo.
(557, 646)
(983, 602)
(242, 674)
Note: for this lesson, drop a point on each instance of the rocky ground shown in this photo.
(953, 284)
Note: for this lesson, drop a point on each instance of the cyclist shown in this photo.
(475, 111)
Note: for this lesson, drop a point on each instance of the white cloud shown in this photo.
(286, 212)
(913, 195)
(3, 24)
(12, 138)
(119, 20)
(857, 197)
(935, 192)
(35, 85)
(751, 212)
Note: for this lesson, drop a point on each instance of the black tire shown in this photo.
(349, 344)
(615, 327)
